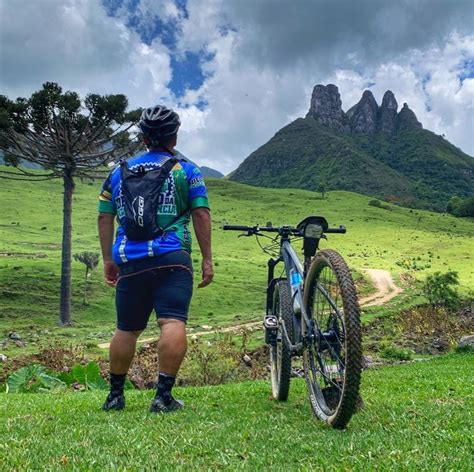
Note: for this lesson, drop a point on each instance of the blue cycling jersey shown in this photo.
(183, 190)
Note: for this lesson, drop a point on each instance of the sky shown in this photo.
(238, 70)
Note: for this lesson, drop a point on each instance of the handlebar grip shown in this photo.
(341, 230)
(236, 228)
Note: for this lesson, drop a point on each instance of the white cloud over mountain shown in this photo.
(260, 61)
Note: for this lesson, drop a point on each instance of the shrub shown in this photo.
(396, 354)
(378, 204)
(464, 349)
(461, 207)
(439, 289)
(467, 207)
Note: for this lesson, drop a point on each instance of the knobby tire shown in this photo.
(280, 354)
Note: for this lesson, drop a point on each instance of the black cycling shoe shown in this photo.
(114, 402)
(160, 406)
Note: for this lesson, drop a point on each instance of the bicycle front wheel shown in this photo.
(332, 357)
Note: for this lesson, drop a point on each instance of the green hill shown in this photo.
(415, 167)
(416, 417)
(400, 240)
(408, 165)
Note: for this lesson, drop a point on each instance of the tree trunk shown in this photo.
(85, 286)
(65, 300)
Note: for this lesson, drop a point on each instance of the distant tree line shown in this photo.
(461, 206)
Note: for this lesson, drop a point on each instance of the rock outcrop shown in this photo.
(387, 121)
(326, 107)
(366, 117)
(407, 119)
(363, 115)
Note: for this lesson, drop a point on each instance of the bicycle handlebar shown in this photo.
(271, 229)
(341, 230)
(237, 228)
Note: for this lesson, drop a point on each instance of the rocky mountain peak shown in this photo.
(363, 115)
(407, 119)
(326, 106)
(388, 113)
(389, 101)
(366, 117)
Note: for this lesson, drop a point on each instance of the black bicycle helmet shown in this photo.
(159, 123)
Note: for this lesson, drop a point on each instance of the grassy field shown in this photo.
(417, 417)
(399, 240)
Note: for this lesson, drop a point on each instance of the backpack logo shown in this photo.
(138, 215)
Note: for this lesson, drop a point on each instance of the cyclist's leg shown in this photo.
(173, 287)
(122, 349)
(134, 303)
(172, 345)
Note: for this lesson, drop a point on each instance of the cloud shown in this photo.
(321, 33)
(259, 60)
(266, 58)
(74, 43)
(430, 82)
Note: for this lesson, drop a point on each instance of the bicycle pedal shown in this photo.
(270, 322)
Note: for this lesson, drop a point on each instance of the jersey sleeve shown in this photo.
(197, 193)
(106, 204)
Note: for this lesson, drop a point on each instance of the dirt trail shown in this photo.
(386, 290)
(227, 329)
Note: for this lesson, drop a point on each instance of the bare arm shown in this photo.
(202, 227)
(105, 225)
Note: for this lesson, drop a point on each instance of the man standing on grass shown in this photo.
(153, 272)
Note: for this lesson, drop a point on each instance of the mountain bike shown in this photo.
(312, 311)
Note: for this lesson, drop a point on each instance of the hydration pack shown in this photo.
(141, 193)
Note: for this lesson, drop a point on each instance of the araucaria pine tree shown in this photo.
(67, 138)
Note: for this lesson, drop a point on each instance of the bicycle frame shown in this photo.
(291, 262)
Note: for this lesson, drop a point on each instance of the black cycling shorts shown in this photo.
(163, 283)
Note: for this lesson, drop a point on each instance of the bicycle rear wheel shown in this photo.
(280, 354)
(332, 357)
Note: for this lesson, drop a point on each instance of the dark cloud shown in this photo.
(282, 34)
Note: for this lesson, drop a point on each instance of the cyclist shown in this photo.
(154, 274)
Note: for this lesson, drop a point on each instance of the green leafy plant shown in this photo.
(88, 375)
(31, 379)
(440, 289)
